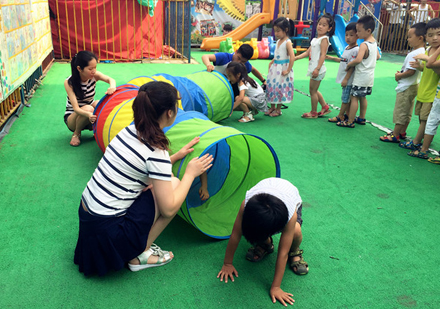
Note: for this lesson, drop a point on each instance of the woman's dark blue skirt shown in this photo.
(108, 243)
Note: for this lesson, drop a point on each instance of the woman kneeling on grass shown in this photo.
(119, 215)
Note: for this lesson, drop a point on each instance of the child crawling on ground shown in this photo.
(272, 206)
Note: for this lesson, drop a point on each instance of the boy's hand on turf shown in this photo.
(228, 270)
(281, 296)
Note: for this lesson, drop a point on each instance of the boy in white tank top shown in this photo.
(364, 65)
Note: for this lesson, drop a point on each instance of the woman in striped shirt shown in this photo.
(120, 217)
(80, 88)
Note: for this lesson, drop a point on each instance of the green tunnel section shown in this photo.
(240, 161)
(206, 92)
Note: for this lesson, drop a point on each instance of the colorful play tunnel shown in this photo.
(240, 160)
(206, 92)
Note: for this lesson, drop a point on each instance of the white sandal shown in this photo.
(249, 116)
(164, 258)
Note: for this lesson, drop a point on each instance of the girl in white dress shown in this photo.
(316, 54)
(280, 76)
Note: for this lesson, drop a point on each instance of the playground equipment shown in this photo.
(236, 45)
(226, 46)
(272, 47)
(247, 27)
(254, 44)
(299, 29)
(240, 160)
(263, 49)
(338, 39)
(208, 93)
(234, 8)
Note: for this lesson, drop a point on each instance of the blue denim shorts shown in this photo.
(346, 94)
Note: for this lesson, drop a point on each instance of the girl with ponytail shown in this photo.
(251, 98)
(120, 215)
(80, 88)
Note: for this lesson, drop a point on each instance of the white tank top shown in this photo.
(422, 14)
(315, 53)
(364, 71)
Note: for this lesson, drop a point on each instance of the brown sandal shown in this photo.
(299, 267)
(257, 253)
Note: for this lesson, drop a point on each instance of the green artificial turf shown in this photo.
(370, 216)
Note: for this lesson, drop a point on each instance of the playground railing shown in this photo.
(10, 105)
(397, 23)
(122, 30)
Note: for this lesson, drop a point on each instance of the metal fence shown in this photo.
(121, 30)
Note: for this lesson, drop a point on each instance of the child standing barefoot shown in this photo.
(280, 76)
(316, 53)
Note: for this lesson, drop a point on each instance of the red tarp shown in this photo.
(122, 36)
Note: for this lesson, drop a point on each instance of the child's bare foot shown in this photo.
(75, 141)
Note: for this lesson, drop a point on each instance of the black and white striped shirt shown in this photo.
(125, 169)
(88, 89)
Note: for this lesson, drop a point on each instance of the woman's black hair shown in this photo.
(237, 67)
(81, 60)
(264, 215)
(331, 23)
(153, 99)
(285, 24)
